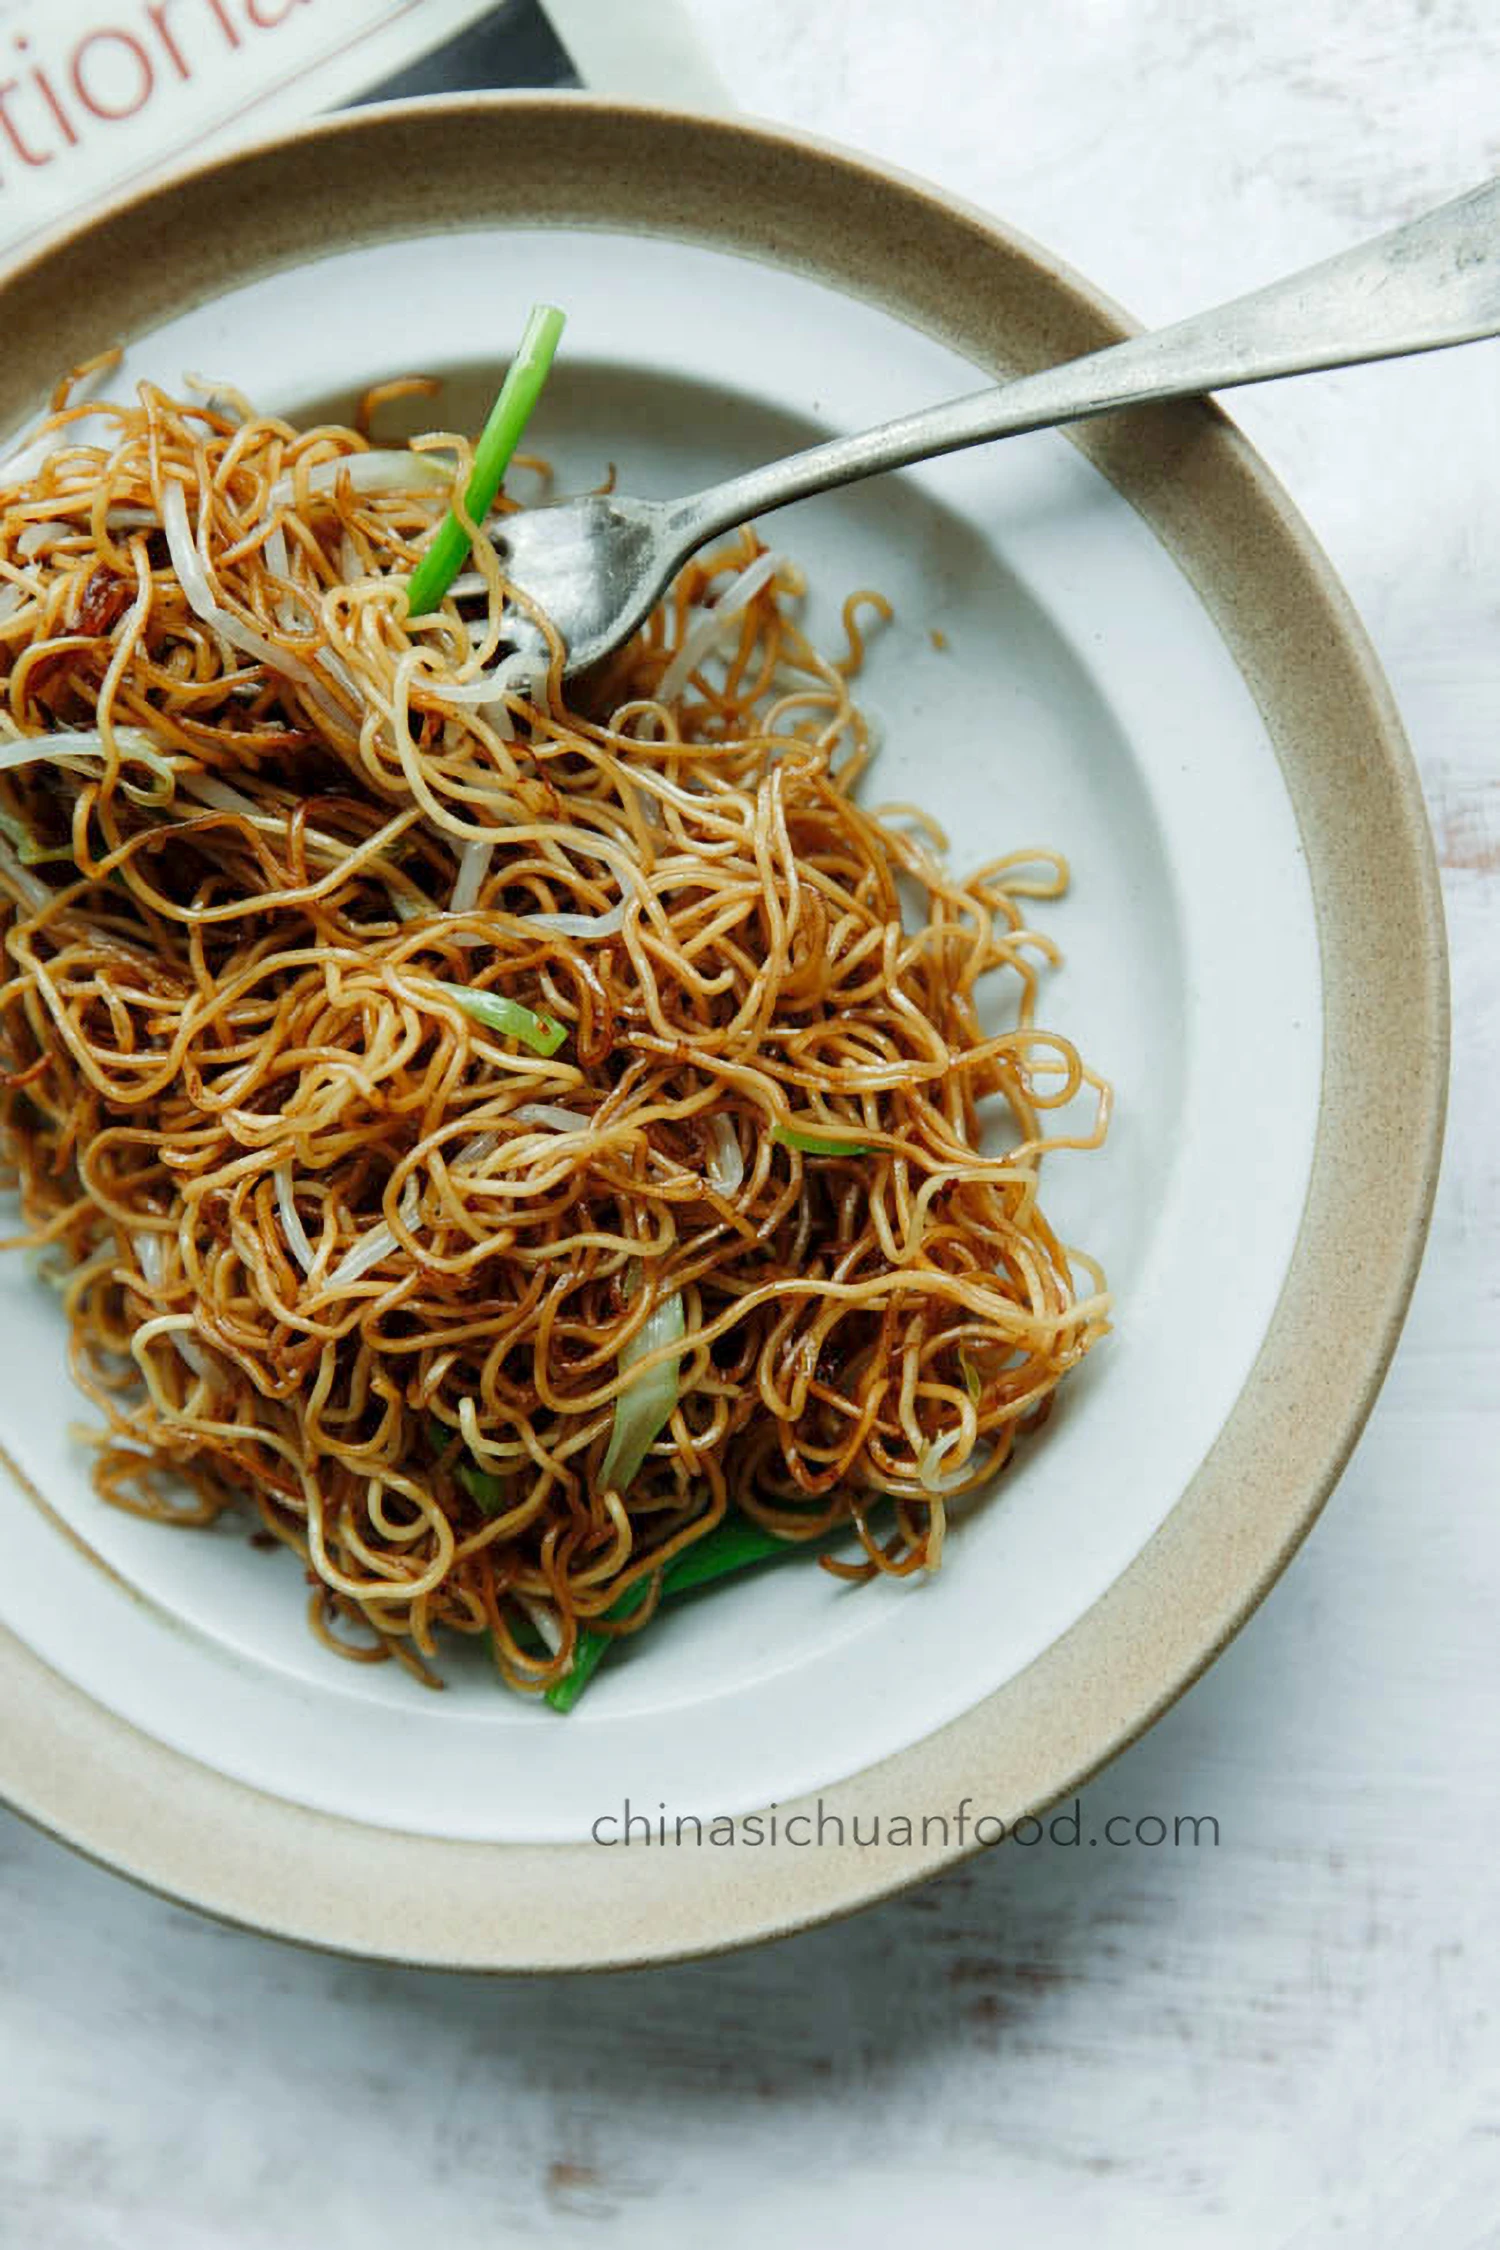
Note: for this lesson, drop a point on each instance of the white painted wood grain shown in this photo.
(1287, 2041)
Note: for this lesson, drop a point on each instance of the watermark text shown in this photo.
(816, 1828)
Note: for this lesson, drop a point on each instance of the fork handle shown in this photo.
(1431, 283)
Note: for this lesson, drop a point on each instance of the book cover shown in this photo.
(97, 95)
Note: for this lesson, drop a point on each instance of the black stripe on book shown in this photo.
(514, 45)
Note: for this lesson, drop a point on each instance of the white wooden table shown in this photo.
(1289, 2039)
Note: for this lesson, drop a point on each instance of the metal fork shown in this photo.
(596, 566)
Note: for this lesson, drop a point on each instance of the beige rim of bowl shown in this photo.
(252, 1858)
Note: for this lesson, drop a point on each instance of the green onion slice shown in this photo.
(644, 1407)
(733, 1545)
(590, 1649)
(29, 848)
(542, 1034)
(485, 1489)
(817, 1144)
(527, 372)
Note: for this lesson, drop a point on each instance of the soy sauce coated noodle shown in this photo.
(333, 1247)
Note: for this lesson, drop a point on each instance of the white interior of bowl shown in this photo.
(1083, 700)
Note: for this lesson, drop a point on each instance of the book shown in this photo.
(97, 96)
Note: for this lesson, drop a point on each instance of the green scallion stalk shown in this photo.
(817, 1144)
(542, 1034)
(644, 1407)
(29, 851)
(527, 372)
(733, 1545)
(590, 1649)
(484, 1489)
